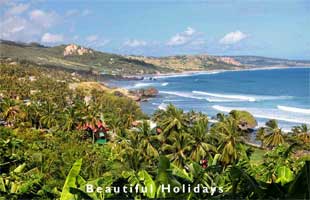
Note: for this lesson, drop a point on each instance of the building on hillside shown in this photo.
(99, 131)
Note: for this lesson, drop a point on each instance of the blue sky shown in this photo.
(274, 28)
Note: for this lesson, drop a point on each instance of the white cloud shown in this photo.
(135, 43)
(233, 37)
(176, 40)
(190, 31)
(182, 38)
(17, 9)
(44, 19)
(92, 38)
(52, 38)
(18, 28)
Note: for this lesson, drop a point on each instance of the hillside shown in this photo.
(77, 58)
(191, 62)
(90, 60)
(208, 62)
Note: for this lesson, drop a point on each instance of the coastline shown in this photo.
(287, 123)
(216, 71)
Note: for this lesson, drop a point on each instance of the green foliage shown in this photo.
(71, 181)
(284, 175)
(244, 117)
(53, 57)
(43, 135)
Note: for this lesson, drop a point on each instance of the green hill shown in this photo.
(77, 58)
(94, 61)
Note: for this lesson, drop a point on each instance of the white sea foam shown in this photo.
(162, 106)
(268, 114)
(173, 76)
(226, 96)
(216, 97)
(147, 84)
(192, 95)
(294, 109)
(172, 100)
(182, 94)
(140, 85)
(221, 100)
(213, 120)
(237, 97)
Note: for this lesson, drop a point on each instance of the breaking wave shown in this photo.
(162, 106)
(237, 97)
(140, 85)
(294, 109)
(182, 94)
(267, 114)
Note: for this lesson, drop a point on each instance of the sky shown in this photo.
(272, 28)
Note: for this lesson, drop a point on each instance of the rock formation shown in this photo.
(73, 49)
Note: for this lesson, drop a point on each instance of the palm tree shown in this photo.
(131, 155)
(49, 113)
(196, 116)
(260, 135)
(302, 132)
(202, 141)
(220, 117)
(33, 114)
(274, 135)
(146, 138)
(10, 111)
(173, 119)
(228, 137)
(71, 118)
(180, 147)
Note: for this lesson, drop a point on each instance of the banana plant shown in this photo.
(141, 179)
(19, 183)
(71, 181)
(284, 175)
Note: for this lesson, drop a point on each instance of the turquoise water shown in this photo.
(282, 94)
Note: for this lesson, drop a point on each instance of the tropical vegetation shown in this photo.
(46, 153)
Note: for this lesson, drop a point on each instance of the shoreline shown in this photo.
(193, 73)
(215, 71)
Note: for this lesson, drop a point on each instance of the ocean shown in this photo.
(281, 94)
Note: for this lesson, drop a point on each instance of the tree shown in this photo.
(10, 110)
(71, 118)
(179, 148)
(202, 141)
(302, 132)
(260, 135)
(49, 114)
(274, 135)
(146, 137)
(228, 135)
(172, 120)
